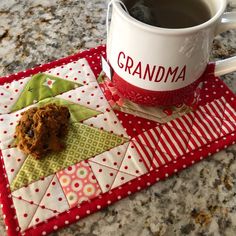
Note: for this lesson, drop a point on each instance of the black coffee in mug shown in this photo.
(169, 13)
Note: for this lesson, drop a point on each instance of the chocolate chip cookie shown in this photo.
(41, 130)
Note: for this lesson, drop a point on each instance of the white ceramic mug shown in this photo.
(161, 66)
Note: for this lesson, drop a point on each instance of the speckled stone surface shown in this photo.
(198, 201)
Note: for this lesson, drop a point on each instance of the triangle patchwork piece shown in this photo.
(42, 86)
(82, 142)
(89, 96)
(54, 198)
(107, 121)
(112, 158)
(132, 163)
(78, 71)
(13, 160)
(24, 212)
(78, 112)
(135, 125)
(10, 93)
(40, 215)
(122, 178)
(34, 192)
(184, 123)
(105, 176)
(8, 123)
(52, 203)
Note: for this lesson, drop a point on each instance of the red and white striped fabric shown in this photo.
(146, 153)
(176, 138)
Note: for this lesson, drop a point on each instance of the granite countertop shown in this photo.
(200, 200)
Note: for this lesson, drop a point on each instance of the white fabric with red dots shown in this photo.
(77, 71)
(52, 203)
(9, 93)
(107, 121)
(150, 150)
(88, 95)
(13, 160)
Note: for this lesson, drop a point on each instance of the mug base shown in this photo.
(159, 98)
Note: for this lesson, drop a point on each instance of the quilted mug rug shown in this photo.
(113, 148)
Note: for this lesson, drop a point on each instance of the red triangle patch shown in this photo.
(135, 125)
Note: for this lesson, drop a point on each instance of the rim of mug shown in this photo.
(173, 31)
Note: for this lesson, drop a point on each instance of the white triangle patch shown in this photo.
(122, 178)
(112, 158)
(13, 160)
(24, 212)
(132, 163)
(35, 191)
(107, 121)
(87, 96)
(41, 215)
(77, 71)
(54, 198)
(104, 175)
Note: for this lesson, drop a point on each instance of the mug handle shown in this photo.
(222, 67)
(109, 10)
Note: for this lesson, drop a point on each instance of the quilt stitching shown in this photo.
(195, 140)
(55, 212)
(135, 125)
(45, 101)
(78, 183)
(112, 168)
(129, 168)
(25, 216)
(42, 86)
(82, 142)
(14, 88)
(34, 203)
(41, 102)
(9, 93)
(154, 159)
(117, 174)
(107, 187)
(146, 152)
(132, 164)
(39, 204)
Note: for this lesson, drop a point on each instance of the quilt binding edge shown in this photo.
(104, 200)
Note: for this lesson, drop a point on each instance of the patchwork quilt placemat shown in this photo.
(113, 148)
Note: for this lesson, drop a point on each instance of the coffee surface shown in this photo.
(169, 13)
